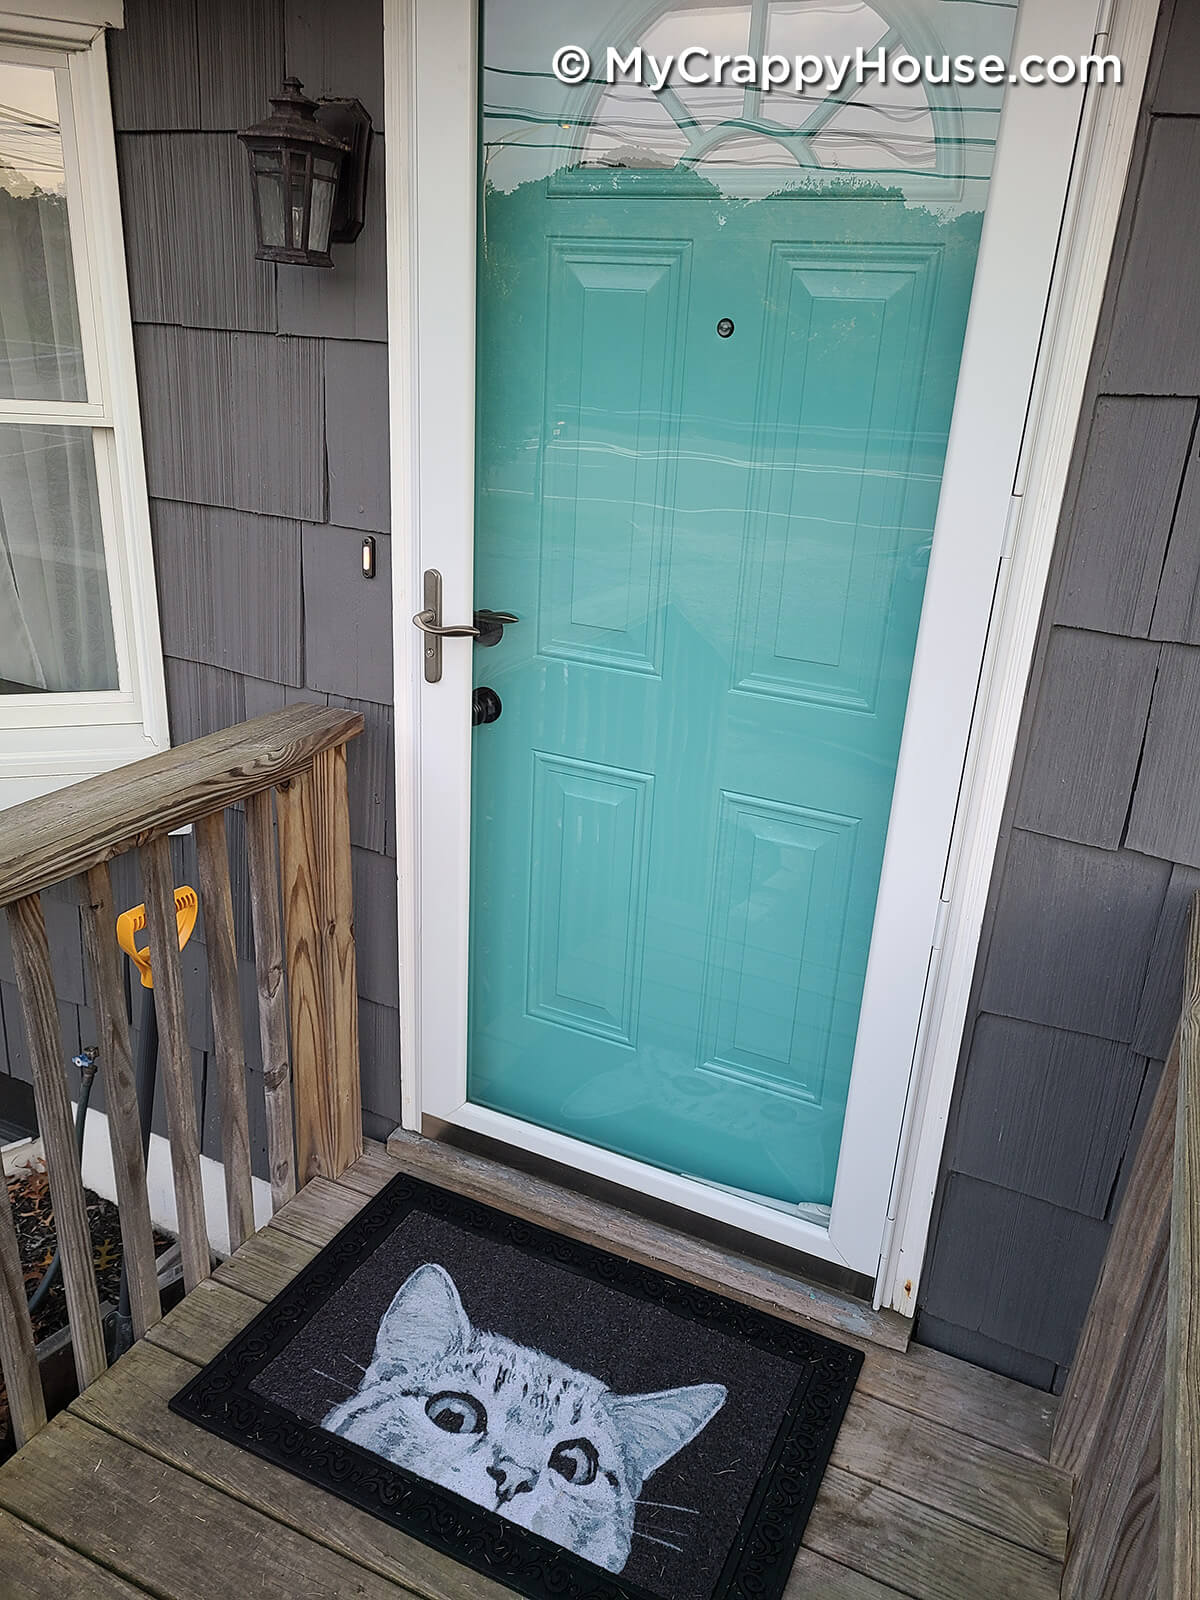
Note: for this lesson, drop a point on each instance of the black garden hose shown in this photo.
(88, 1063)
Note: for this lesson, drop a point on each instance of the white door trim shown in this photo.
(436, 435)
(1106, 145)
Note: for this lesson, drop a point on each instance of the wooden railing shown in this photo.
(1129, 1424)
(307, 1024)
(1179, 1489)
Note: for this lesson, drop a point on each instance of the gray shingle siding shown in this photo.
(252, 382)
(1078, 981)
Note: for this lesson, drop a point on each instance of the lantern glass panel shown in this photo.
(297, 167)
(323, 190)
(268, 181)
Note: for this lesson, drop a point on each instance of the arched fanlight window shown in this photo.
(873, 128)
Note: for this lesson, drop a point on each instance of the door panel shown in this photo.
(716, 539)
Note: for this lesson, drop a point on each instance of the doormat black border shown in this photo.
(221, 1400)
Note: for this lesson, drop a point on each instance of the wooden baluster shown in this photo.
(1179, 1496)
(341, 1104)
(314, 842)
(120, 1094)
(272, 995)
(18, 1357)
(216, 896)
(306, 997)
(31, 957)
(174, 1055)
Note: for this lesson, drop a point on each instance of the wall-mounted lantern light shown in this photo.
(308, 170)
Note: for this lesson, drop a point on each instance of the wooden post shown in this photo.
(272, 995)
(1107, 1432)
(1124, 1323)
(120, 1094)
(1179, 1497)
(31, 957)
(216, 897)
(175, 1060)
(314, 843)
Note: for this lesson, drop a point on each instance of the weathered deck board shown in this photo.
(815, 1577)
(203, 1323)
(267, 1263)
(1025, 1501)
(131, 1403)
(98, 1494)
(980, 1405)
(887, 1535)
(912, 1506)
(51, 1571)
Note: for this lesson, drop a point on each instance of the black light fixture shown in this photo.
(308, 170)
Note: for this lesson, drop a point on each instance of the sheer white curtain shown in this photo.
(55, 616)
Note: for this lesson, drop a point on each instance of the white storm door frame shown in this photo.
(430, 65)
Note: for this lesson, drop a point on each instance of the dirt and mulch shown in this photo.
(33, 1214)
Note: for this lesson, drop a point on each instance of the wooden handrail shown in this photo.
(46, 840)
(290, 769)
(1179, 1494)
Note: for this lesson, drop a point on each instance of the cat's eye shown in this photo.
(456, 1413)
(575, 1460)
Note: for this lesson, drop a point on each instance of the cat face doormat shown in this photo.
(569, 1423)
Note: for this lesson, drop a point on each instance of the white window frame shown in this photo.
(47, 740)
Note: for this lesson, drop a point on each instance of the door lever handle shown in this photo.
(460, 630)
(490, 626)
(487, 627)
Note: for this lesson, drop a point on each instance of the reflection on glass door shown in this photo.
(719, 333)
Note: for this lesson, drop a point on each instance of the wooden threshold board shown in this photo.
(653, 1244)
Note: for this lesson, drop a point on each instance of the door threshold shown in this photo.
(755, 1271)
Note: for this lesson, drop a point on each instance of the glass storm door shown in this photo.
(718, 342)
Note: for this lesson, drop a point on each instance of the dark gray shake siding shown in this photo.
(264, 406)
(1078, 980)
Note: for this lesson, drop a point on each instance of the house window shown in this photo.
(80, 661)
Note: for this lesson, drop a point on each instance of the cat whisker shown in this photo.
(663, 1505)
(341, 1382)
(653, 1540)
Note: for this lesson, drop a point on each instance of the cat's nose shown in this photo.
(511, 1479)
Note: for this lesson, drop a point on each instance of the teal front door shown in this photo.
(718, 345)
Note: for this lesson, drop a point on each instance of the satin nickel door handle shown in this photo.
(486, 628)
(429, 620)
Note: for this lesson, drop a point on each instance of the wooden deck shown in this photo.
(939, 1487)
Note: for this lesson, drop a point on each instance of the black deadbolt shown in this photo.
(485, 706)
(725, 327)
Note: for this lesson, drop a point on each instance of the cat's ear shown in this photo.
(655, 1426)
(424, 1324)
